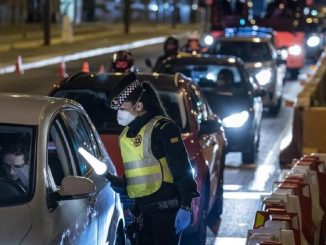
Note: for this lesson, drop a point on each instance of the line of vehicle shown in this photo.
(85, 54)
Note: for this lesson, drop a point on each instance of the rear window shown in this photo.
(16, 163)
(207, 75)
(247, 51)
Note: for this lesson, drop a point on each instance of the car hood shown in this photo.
(252, 67)
(227, 103)
(16, 223)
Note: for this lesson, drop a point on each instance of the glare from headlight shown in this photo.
(313, 41)
(295, 50)
(236, 120)
(208, 40)
(264, 77)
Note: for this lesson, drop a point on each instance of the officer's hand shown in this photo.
(115, 180)
(182, 220)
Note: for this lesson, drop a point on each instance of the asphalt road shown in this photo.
(243, 183)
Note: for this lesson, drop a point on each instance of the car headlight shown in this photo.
(236, 120)
(208, 40)
(264, 77)
(313, 41)
(295, 50)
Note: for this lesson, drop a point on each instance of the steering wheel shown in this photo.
(10, 187)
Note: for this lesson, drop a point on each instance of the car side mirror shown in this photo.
(149, 63)
(210, 126)
(74, 187)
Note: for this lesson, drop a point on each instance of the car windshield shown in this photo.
(16, 163)
(105, 118)
(210, 76)
(248, 51)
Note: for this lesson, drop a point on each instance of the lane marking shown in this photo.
(267, 168)
(232, 187)
(244, 195)
(230, 241)
(85, 54)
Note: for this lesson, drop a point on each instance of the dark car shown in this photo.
(201, 131)
(237, 102)
(261, 60)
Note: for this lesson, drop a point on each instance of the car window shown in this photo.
(198, 104)
(17, 161)
(174, 107)
(248, 51)
(96, 106)
(206, 75)
(59, 156)
(81, 138)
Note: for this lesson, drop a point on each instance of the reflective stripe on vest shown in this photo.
(142, 170)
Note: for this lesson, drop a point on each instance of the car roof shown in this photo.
(205, 59)
(106, 82)
(28, 109)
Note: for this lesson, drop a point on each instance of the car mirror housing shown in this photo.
(210, 127)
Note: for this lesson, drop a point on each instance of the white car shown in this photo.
(62, 200)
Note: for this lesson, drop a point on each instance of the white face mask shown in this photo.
(125, 117)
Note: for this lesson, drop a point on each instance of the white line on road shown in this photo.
(230, 241)
(244, 195)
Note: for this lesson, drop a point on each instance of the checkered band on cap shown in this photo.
(118, 101)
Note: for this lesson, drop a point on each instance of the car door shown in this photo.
(73, 221)
(82, 135)
(212, 150)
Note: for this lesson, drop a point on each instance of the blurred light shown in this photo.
(153, 7)
(194, 7)
(309, 20)
(208, 40)
(231, 60)
(166, 5)
(313, 41)
(264, 77)
(281, 6)
(297, 15)
(316, 20)
(255, 28)
(253, 22)
(306, 11)
(314, 12)
(258, 65)
(98, 166)
(242, 22)
(296, 23)
(256, 40)
(211, 76)
(295, 50)
(236, 120)
(250, 4)
(284, 54)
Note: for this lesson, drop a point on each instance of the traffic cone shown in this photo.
(102, 69)
(62, 70)
(85, 67)
(19, 66)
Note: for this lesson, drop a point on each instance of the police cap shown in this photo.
(124, 89)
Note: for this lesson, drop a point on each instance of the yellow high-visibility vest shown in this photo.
(144, 173)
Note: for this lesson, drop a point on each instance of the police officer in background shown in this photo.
(158, 174)
(170, 48)
(122, 61)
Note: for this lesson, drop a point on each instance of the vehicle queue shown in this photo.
(187, 98)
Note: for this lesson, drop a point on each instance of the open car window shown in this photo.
(17, 161)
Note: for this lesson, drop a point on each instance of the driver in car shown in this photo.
(13, 163)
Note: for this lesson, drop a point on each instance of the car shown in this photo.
(184, 102)
(238, 103)
(64, 201)
(261, 60)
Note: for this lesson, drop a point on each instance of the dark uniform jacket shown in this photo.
(167, 142)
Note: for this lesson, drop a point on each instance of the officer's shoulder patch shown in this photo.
(174, 140)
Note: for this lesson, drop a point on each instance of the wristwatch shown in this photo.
(187, 208)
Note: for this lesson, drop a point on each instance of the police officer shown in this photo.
(170, 48)
(122, 61)
(158, 174)
(193, 45)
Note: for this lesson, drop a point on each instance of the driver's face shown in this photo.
(13, 163)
